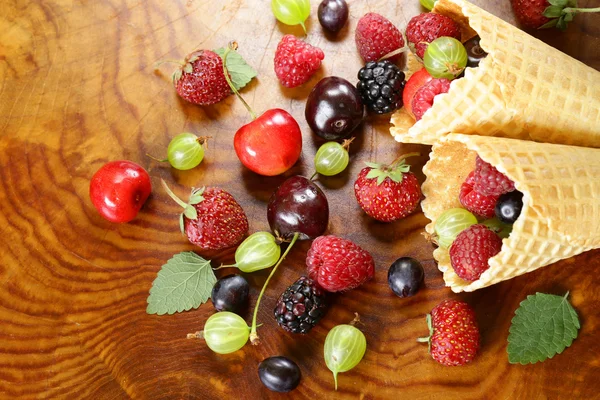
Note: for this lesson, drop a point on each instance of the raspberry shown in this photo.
(200, 80)
(489, 181)
(471, 250)
(454, 334)
(425, 28)
(296, 61)
(300, 306)
(425, 96)
(376, 36)
(476, 202)
(338, 264)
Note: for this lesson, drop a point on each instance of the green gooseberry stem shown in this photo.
(233, 46)
(253, 335)
(157, 159)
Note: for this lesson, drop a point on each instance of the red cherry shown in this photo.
(119, 189)
(414, 83)
(270, 144)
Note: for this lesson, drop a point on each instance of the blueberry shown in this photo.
(405, 276)
(509, 206)
(279, 374)
(230, 293)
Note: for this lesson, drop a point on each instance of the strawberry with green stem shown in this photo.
(543, 14)
(388, 192)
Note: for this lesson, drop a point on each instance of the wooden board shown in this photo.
(78, 89)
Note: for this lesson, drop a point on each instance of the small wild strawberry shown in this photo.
(453, 333)
(212, 219)
(388, 192)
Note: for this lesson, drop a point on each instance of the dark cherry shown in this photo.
(333, 14)
(298, 206)
(279, 374)
(474, 52)
(334, 108)
(230, 293)
(405, 276)
(509, 206)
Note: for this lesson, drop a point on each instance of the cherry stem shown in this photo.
(157, 159)
(173, 195)
(581, 10)
(233, 46)
(402, 158)
(159, 63)
(253, 335)
(196, 335)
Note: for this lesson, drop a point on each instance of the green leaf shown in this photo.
(562, 24)
(373, 165)
(190, 212)
(552, 12)
(550, 24)
(183, 283)
(196, 196)
(559, 3)
(569, 17)
(396, 175)
(240, 72)
(543, 326)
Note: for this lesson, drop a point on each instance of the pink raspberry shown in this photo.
(296, 61)
(376, 36)
(471, 250)
(424, 97)
(489, 181)
(338, 264)
(474, 201)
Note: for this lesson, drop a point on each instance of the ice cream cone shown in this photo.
(523, 89)
(561, 201)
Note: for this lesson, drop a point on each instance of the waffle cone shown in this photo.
(523, 89)
(561, 201)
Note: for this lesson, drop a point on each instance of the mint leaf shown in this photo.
(239, 71)
(183, 283)
(543, 326)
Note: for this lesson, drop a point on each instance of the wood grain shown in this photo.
(78, 88)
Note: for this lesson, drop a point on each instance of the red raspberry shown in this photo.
(200, 80)
(376, 36)
(425, 96)
(474, 201)
(425, 28)
(471, 250)
(338, 264)
(489, 181)
(454, 334)
(296, 61)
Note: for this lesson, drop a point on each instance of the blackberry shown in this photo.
(381, 85)
(301, 306)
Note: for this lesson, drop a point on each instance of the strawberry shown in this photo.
(200, 78)
(338, 264)
(296, 61)
(488, 181)
(376, 36)
(426, 27)
(547, 13)
(212, 219)
(388, 192)
(453, 333)
(471, 251)
(474, 201)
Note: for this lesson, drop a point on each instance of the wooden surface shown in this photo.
(78, 89)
